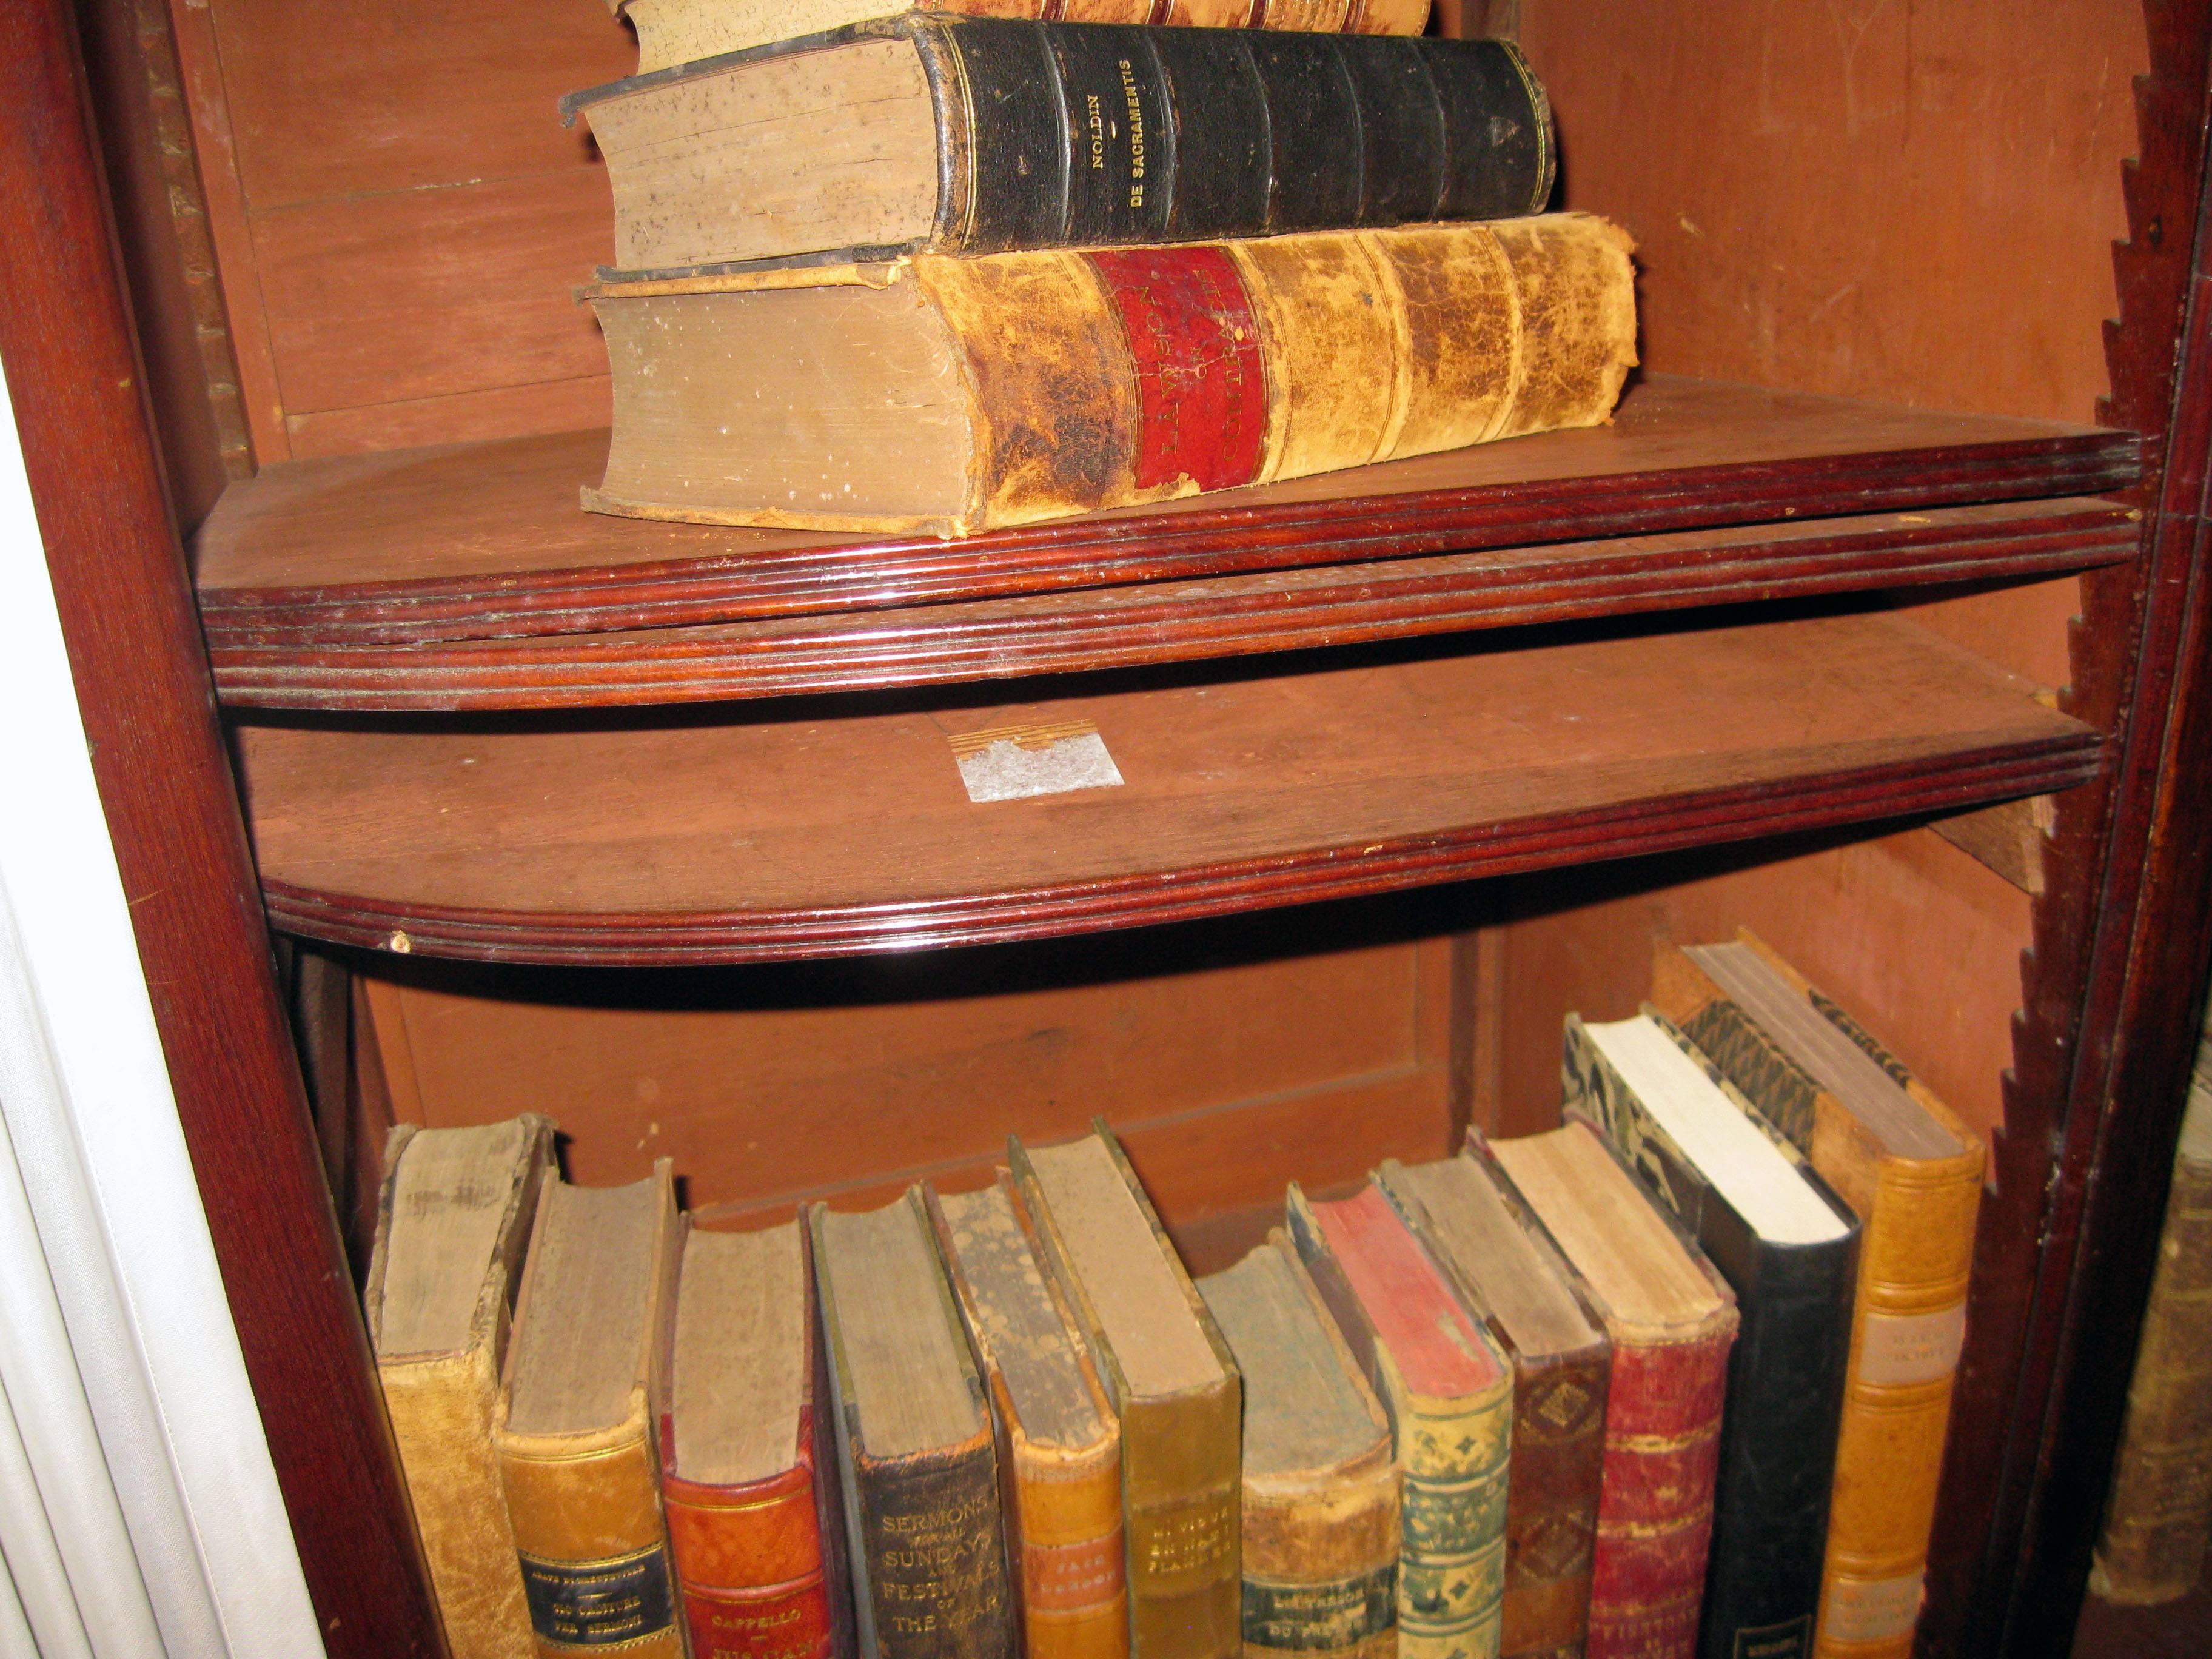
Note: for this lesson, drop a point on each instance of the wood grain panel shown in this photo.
(769, 1086)
(457, 417)
(1900, 930)
(1911, 202)
(422, 294)
(333, 98)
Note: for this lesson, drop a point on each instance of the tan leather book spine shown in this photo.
(586, 1508)
(1321, 1547)
(1062, 1507)
(1908, 1325)
(441, 1406)
(2157, 1518)
(1116, 377)
(1181, 1463)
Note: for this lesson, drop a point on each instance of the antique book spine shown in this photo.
(441, 1406)
(1197, 368)
(2152, 1548)
(1321, 1562)
(589, 1534)
(749, 1565)
(673, 32)
(1073, 1582)
(929, 1553)
(1908, 1316)
(1655, 1514)
(1453, 1457)
(1786, 1378)
(1182, 1463)
(1056, 134)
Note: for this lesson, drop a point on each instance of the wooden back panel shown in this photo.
(398, 214)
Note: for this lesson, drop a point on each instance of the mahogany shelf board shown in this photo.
(1144, 623)
(487, 540)
(793, 833)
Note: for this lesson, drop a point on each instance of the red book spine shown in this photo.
(1655, 1515)
(749, 1563)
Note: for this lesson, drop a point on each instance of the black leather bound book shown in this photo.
(930, 133)
(1789, 1247)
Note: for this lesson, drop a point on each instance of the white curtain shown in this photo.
(139, 1514)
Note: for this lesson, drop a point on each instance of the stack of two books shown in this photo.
(937, 273)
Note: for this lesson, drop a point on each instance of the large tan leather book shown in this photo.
(1320, 1479)
(574, 1427)
(1059, 1444)
(952, 395)
(1913, 1174)
(453, 1218)
(671, 32)
(1172, 1381)
(2159, 1512)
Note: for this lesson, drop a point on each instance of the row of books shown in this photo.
(1589, 1390)
(894, 270)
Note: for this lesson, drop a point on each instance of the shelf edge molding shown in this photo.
(1938, 784)
(1178, 622)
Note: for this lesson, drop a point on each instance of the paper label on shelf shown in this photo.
(1009, 762)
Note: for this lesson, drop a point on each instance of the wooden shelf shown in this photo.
(802, 833)
(482, 541)
(1088, 628)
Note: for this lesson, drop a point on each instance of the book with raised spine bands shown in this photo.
(1462, 1210)
(1321, 1479)
(1672, 1320)
(1060, 1444)
(915, 1452)
(952, 396)
(1789, 1247)
(1913, 1173)
(1448, 1395)
(749, 1470)
(2151, 1548)
(453, 1215)
(673, 32)
(1172, 1381)
(574, 1427)
(927, 134)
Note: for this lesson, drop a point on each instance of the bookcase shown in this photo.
(1419, 756)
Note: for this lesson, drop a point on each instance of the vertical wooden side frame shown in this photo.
(2093, 1103)
(134, 646)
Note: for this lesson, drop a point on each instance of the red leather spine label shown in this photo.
(1201, 381)
(786, 1621)
(1069, 1577)
(1655, 1517)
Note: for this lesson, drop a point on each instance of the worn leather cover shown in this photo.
(2155, 1522)
(1054, 135)
(1454, 1455)
(759, 1565)
(586, 1508)
(1662, 1432)
(928, 1551)
(1785, 1384)
(1908, 1316)
(1320, 1545)
(440, 1407)
(1556, 1464)
(1061, 1507)
(1126, 375)
(669, 32)
(1181, 1462)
